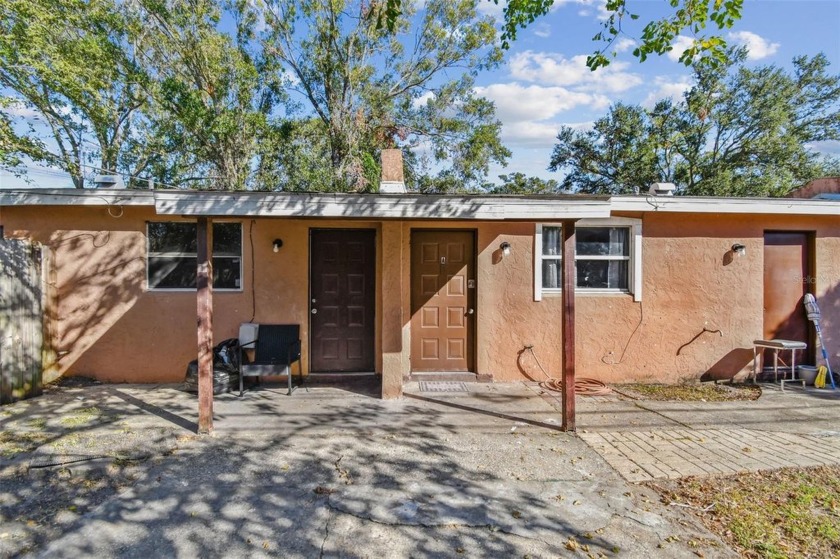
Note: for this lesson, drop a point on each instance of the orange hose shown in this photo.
(583, 386)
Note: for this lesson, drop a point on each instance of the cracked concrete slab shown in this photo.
(337, 473)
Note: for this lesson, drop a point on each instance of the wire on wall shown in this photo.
(253, 286)
(630, 339)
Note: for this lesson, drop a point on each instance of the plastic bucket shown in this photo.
(808, 373)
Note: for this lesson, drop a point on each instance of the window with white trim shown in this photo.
(172, 255)
(607, 257)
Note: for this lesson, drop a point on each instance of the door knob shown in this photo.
(314, 311)
(471, 311)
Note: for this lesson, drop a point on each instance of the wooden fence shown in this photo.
(21, 320)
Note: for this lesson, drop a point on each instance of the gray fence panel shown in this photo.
(21, 320)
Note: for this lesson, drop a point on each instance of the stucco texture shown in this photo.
(700, 309)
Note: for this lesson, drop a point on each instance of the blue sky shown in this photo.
(544, 83)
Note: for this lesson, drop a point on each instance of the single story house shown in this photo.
(406, 285)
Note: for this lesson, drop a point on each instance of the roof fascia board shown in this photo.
(74, 197)
(361, 206)
(684, 204)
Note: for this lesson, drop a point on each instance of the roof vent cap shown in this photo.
(663, 188)
(108, 181)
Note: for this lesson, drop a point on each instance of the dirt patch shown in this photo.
(794, 512)
(40, 504)
(691, 392)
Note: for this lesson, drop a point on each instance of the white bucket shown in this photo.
(808, 373)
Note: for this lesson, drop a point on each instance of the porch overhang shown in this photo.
(380, 206)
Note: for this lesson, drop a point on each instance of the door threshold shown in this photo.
(333, 377)
(448, 376)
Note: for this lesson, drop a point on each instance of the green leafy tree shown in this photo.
(71, 88)
(520, 183)
(213, 95)
(373, 88)
(742, 132)
(689, 17)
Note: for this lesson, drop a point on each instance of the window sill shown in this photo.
(588, 293)
(179, 290)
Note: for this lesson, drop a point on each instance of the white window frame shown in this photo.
(634, 280)
(150, 254)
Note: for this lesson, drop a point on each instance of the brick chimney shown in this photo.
(393, 180)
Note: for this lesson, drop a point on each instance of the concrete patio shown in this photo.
(334, 471)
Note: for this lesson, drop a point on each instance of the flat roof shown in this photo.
(411, 205)
(324, 205)
(709, 204)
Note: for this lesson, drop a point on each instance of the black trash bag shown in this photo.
(226, 355)
(225, 368)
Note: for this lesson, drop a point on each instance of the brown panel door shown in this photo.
(342, 295)
(442, 300)
(786, 273)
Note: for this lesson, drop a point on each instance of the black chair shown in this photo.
(276, 347)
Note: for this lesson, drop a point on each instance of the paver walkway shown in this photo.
(671, 454)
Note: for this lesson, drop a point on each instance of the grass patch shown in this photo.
(693, 392)
(793, 512)
(12, 444)
(37, 423)
(81, 417)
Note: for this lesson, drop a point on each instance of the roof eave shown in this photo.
(374, 206)
(691, 204)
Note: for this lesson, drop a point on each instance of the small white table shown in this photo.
(777, 346)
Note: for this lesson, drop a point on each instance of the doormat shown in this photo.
(442, 386)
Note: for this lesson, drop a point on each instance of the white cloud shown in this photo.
(555, 69)
(423, 99)
(530, 134)
(19, 110)
(542, 30)
(527, 111)
(665, 88)
(757, 46)
(680, 44)
(489, 8)
(624, 44)
(516, 103)
(600, 7)
(826, 147)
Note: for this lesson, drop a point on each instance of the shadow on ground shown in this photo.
(328, 472)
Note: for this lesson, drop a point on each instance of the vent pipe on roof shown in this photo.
(108, 181)
(662, 188)
(393, 179)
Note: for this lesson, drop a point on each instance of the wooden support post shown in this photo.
(205, 324)
(568, 319)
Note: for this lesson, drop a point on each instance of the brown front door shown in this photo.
(786, 276)
(342, 294)
(442, 300)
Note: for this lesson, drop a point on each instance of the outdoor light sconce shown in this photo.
(739, 250)
(277, 244)
(505, 248)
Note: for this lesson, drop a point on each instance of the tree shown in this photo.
(658, 36)
(73, 88)
(742, 132)
(373, 88)
(213, 96)
(520, 183)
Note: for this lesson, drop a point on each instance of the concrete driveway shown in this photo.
(334, 472)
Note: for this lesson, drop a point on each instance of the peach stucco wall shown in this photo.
(105, 324)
